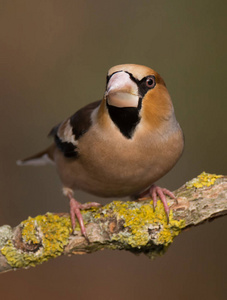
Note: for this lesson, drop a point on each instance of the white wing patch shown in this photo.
(65, 133)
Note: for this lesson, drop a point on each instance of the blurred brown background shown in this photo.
(54, 59)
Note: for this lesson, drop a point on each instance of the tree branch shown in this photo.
(131, 225)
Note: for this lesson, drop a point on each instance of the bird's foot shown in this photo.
(75, 210)
(156, 191)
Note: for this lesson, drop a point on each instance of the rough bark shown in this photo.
(133, 225)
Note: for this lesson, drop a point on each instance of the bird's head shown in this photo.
(135, 92)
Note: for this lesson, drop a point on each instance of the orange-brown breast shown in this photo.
(111, 165)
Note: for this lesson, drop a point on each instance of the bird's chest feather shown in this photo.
(112, 153)
(109, 164)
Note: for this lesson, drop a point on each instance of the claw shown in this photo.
(155, 191)
(75, 210)
(161, 192)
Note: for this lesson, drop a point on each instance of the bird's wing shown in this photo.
(67, 133)
(66, 136)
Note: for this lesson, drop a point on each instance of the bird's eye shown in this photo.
(150, 82)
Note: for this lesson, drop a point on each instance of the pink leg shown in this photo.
(75, 208)
(155, 191)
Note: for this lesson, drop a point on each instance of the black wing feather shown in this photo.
(80, 122)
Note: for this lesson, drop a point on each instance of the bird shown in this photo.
(118, 146)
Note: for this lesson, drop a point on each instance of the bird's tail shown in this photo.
(40, 159)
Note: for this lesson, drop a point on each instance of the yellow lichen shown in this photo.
(48, 234)
(45, 236)
(139, 219)
(204, 179)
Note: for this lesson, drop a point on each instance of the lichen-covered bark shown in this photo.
(131, 225)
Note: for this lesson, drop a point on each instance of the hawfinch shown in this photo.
(118, 146)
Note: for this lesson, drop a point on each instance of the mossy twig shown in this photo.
(131, 225)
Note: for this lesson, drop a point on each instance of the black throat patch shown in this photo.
(125, 118)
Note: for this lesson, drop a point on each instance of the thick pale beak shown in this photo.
(122, 91)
